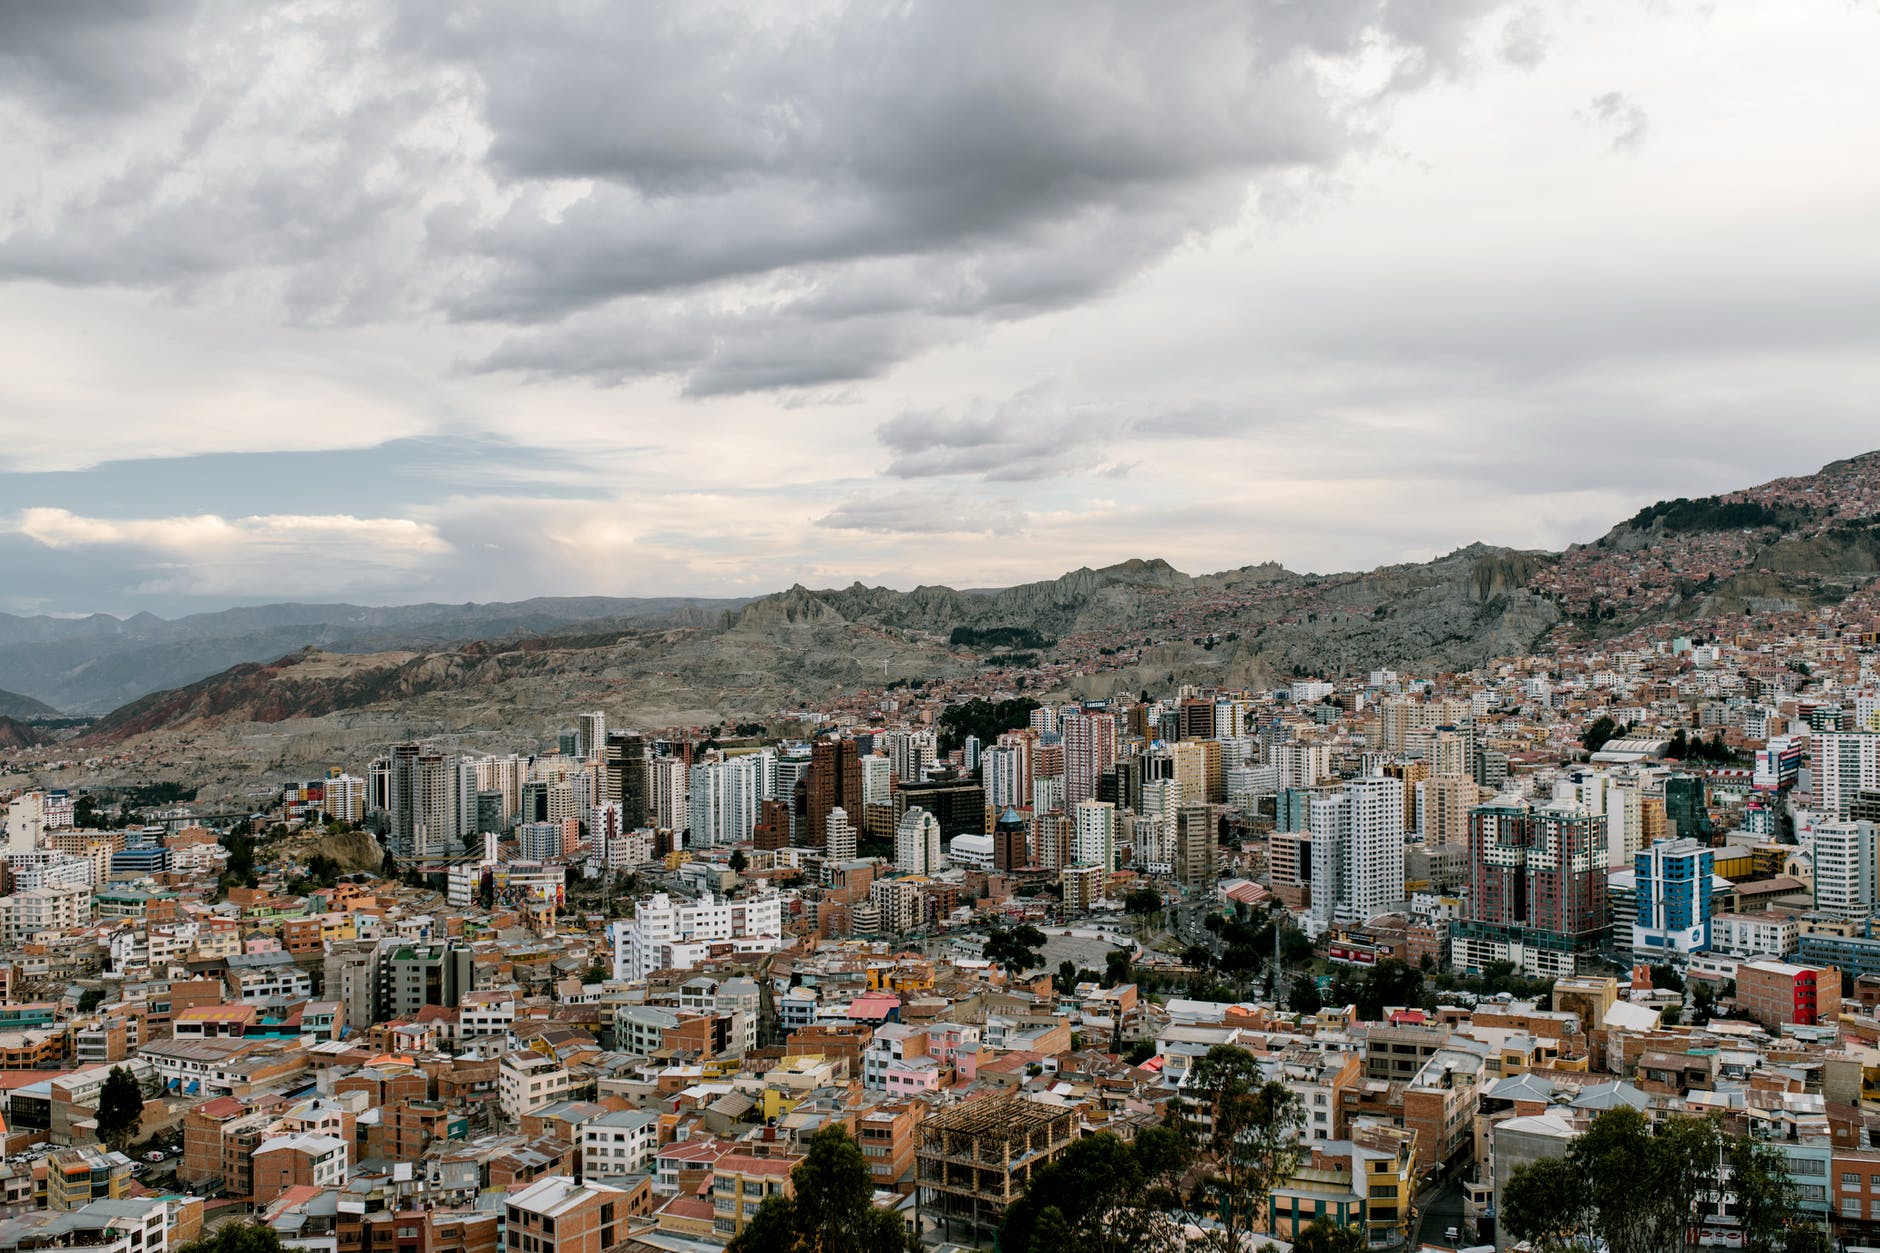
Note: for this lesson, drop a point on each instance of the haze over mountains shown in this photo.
(324, 680)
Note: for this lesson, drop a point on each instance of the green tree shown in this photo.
(1303, 998)
(1116, 968)
(1325, 1236)
(1244, 1131)
(90, 999)
(1015, 949)
(1632, 1184)
(1546, 1203)
(831, 1209)
(1596, 735)
(738, 861)
(1066, 977)
(1143, 901)
(1102, 1194)
(236, 1238)
(120, 1108)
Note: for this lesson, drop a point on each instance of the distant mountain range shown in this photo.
(93, 664)
(356, 678)
(13, 705)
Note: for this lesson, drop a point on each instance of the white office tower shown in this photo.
(1094, 834)
(1844, 765)
(505, 775)
(590, 733)
(969, 754)
(665, 934)
(1846, 856)
(1047, 794)
(1005, 773)
(723, 801)
(1300, 765)
(840, 839)
(26, 822)
(877, 780)
(1161, 798)
(917, 842)
(1357, 851)
(345, 798)
(539, 841)
(667, 776)
(912, 753)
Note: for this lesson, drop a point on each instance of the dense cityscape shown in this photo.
(1228, 626)
(627, 976)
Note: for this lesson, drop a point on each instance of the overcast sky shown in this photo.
(486, 301)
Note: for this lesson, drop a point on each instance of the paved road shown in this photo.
(1441, 1212)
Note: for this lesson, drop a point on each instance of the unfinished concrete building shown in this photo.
(976, 1158)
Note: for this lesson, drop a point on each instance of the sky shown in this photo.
(485, 301)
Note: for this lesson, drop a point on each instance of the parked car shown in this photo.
(154, 1155)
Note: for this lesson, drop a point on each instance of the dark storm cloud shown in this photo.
(736, 199)
(92, 56)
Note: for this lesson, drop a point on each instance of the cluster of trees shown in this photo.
(240, 871)
(1602, 730)
(1228, 1143)
(998, 637)
(1494, 979)
(1634, 1186)
(831, 1209)
(1697, 748)
(1014, 949)
(1711, 513)
(1247, 943)
(982, 718)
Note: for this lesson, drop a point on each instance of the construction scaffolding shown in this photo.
(975, 1159)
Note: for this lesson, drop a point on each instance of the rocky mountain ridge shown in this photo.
(1090, 632)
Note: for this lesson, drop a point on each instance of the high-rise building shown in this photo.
(1844, 764)
(1195, 719)
(1451, 752)
(624, 775)
(590, 734)
(431, 802)
(1193, 858)
(1190, 761)
(1447, 800)
(1847, 868)
(1672, 909)
(1051, 840)
(411, 975)
(917, 843)
(540, 841)
(839, 836)
(1089, 752)
(1540, 868)
(958, 804)
(671, 795)
(1094, 834)
(835, 782)
(793, 768)
(1005, 772)
(723, 800)
(773, 825)
(1357, 850)
(1011, 842)
(1685, 807)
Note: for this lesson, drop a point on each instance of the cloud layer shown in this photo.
(497, 299)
